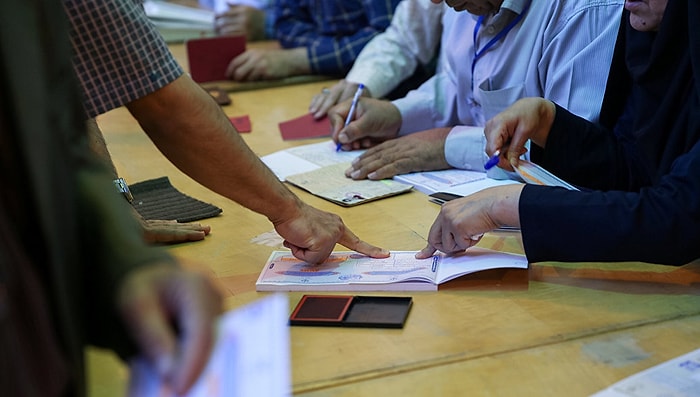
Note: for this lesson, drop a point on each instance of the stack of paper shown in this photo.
(178, 23)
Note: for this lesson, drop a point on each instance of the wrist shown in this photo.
(505, 210)
(299, 61)
(286, 210)
(547, 111)
(123, 188)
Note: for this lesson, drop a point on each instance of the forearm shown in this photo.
(586, 154)
(505, 209)
(190, 129)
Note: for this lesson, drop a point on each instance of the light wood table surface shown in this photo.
(555, 329)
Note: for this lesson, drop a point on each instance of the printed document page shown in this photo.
(679, 377)
(251, 357)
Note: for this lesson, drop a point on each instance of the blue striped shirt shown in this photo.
(333, 32)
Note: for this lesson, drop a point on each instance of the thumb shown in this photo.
(426, 252)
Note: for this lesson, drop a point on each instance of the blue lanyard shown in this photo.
(479, 52)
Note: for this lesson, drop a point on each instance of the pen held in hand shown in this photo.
(351, 113)
(493, 160)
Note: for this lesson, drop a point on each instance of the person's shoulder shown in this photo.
(569, 8)
(558, 14)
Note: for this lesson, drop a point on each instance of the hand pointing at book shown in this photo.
(312, 234)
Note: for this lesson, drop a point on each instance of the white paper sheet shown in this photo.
(679, 377)
(251, 357)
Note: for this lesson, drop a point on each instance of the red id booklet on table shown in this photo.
(209, 57)
(305, 127)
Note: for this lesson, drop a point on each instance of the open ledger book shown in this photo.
(350, 271)
(331, 184)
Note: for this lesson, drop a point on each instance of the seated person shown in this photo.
(512, 50)
(394, 61)
(316, 38)
(254, 19)
(638, 170)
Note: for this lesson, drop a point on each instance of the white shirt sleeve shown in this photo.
(413, 37)
(464, 148)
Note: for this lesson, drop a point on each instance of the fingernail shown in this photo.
(355, 174)
(372, 175)
(477, 236)
(342, 138)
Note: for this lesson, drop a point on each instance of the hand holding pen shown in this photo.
(351, 113)
(508, 133)
(493, 160)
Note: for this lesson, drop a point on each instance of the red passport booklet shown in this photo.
(305, 127)
(209, 57)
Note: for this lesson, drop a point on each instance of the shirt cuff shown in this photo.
(465, 149)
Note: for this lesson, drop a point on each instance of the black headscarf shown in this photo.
(661, 121)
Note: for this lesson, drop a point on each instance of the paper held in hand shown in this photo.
(350, 271)
(247, 339)
(534, 174)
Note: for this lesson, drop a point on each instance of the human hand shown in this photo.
(462, 222)
(526, 119)
(171, 313)
(312, 234)
(420, 151)
(328, 97)
(268, 64)
(241, 20)
(166, 231)
(375, 121)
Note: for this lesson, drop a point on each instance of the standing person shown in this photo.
(639, 171)
(66, 280)
(495, 52)
(121, 59)
(317, 37)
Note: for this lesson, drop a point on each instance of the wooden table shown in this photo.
(555, 329)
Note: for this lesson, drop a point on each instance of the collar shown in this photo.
(517, 6)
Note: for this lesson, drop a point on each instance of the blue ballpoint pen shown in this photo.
(493, 160)
(351, 113)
